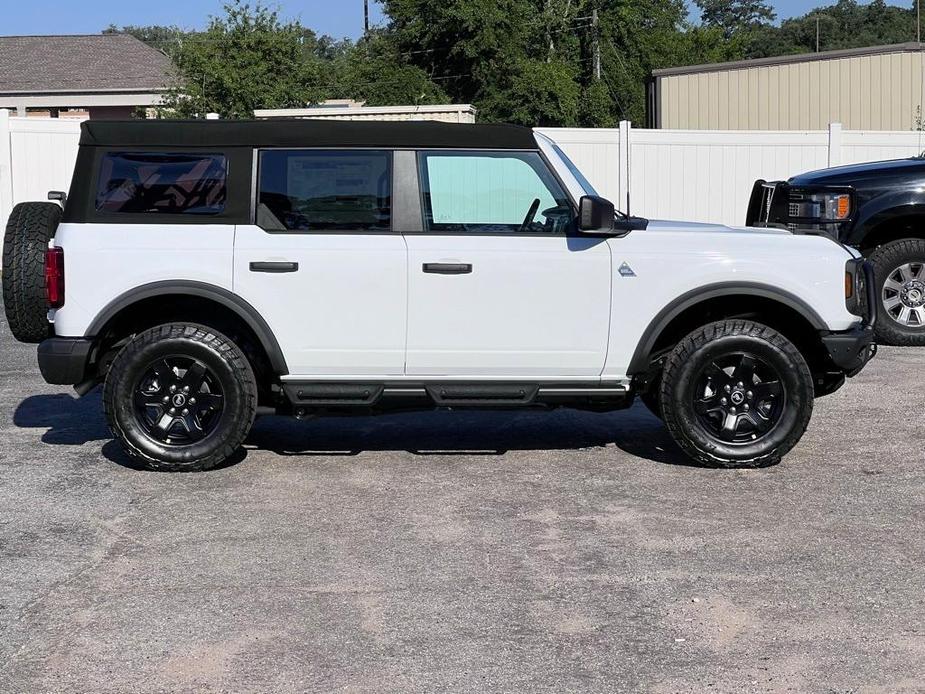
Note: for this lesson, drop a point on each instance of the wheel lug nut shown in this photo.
(192, 401)
(724, 401)
(173, 389)
(166, 399)
(749, 395)
(185, 412)
(186, 389)
(728, 389)
(732, 410)
(746, 408)
(173, 410)
(741, 385)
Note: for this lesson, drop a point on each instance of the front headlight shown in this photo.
(830, 207)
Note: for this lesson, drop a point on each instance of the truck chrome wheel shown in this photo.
(904, 295)
(178, 401)
(739, 398)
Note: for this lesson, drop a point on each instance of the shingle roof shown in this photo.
(81, 64)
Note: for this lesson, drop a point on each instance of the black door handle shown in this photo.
(277, 268)
(448, 268)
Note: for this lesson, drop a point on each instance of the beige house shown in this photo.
(877, 88)
(346, 109)
(98, 75)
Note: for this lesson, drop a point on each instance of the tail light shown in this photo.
(54, 277)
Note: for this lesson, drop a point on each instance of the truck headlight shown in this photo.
(821, 206)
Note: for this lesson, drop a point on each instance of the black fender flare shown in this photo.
(884, 209)
(229, 300)
(642, 356)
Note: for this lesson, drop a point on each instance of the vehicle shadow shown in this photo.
(69, 421)
(470, 433)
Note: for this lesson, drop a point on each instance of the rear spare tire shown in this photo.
(28, 231)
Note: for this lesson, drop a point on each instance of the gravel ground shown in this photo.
(473, 552)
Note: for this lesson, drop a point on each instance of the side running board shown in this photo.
(429, 395)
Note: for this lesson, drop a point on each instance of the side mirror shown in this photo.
(631, 224)
(596, 215)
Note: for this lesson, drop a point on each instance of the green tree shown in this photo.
(375, 71)
(164, 38)
(246, 59)
(734, 16)
(845, 24)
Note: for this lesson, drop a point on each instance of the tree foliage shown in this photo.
(734, 16)
(520, 61)
(247, 59)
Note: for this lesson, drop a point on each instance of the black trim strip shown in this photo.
(641, 357)
(239, 306)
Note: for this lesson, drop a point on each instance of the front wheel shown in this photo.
(736, 394)
(180, 398)
(899, 268)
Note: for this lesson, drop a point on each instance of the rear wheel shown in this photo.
(736, 394)
(899, 268)
(28, 231)
(180, 398)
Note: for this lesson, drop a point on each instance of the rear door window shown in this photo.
(324, 190)
(162, 183)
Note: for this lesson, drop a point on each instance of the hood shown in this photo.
(849, 174)
(707, 228)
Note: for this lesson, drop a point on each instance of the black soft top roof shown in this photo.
(304, 133)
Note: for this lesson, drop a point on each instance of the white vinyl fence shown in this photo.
(703, 176)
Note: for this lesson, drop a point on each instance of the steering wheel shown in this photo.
(531, 215)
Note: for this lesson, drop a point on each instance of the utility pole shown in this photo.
(818, 32)
(918, 20)
(366, 17)
(596, 48)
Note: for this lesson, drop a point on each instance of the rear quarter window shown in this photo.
(162, 183)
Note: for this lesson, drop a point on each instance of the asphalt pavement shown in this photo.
(474, 552)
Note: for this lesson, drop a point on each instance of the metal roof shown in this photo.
(96, 63)
(788, 59)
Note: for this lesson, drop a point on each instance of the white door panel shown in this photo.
(343, 312)
(532, 306)
(104, 261)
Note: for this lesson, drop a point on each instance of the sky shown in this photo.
(334, 17)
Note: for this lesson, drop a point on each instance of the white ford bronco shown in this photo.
(209, 272)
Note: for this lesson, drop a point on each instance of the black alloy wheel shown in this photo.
(178, 401)
(739, 398)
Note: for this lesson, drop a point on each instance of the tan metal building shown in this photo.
(877, 88)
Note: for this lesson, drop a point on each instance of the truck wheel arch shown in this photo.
(906, 221)
(224, 298)
(702, 296)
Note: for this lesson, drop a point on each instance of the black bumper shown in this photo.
(63, 361)
(851, 351)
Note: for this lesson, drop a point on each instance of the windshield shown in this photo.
(575, 171)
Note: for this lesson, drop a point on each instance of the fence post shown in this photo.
(6, 168)
(626, 128)
(835, 143)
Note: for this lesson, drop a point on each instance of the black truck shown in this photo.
(877, 208)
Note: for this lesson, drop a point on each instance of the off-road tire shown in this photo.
(30, 227)
(709, 343)
(886, 259)
(229, 366)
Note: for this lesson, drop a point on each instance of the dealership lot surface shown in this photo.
(466, 552)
